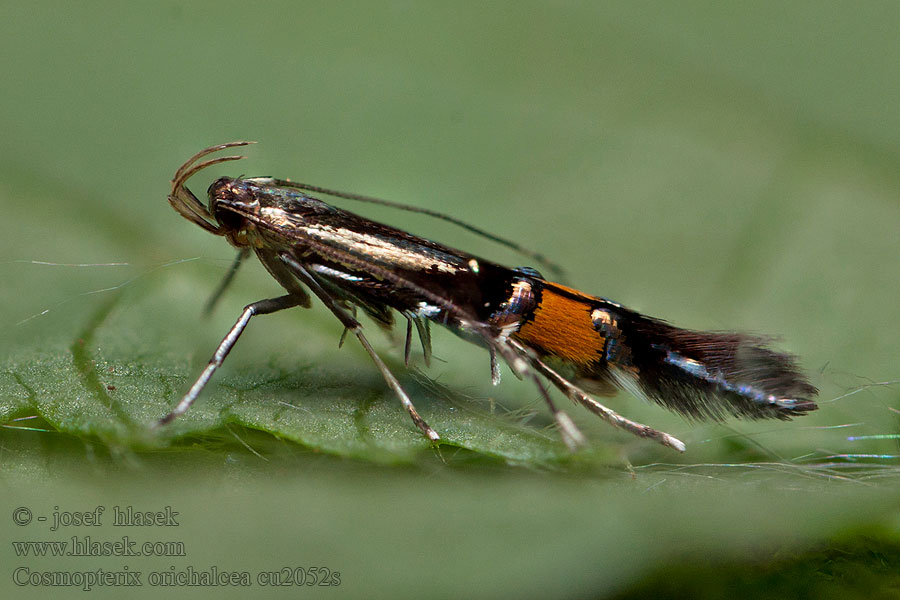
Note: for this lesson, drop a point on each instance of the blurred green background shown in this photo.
(719, 165)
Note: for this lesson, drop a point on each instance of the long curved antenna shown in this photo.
(552, 266)
(176, 183)
(181, 198)
(180, 176)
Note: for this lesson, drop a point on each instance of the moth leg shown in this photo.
(571, 435)
(392, 382)
(354, 326)
(344, 332)
(424, 337)
(242, 254)
(408, 345)
(282, 275)
(424, 330)
(262, 307)
(495, 366)
(607, 414)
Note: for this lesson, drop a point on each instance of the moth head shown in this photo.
(231, 201)
(183, 200)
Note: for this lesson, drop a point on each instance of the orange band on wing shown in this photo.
(562, 327)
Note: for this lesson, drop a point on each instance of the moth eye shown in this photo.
(228, 219)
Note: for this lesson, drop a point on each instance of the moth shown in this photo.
(543, 331)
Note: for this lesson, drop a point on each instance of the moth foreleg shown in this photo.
(262, 307)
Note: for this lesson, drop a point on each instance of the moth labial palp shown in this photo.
(540, 329)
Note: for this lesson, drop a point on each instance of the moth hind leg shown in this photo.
(520, 361)
(578, 396)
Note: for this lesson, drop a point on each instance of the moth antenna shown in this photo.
(204, 152)
(177, 183)
(553, 267)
